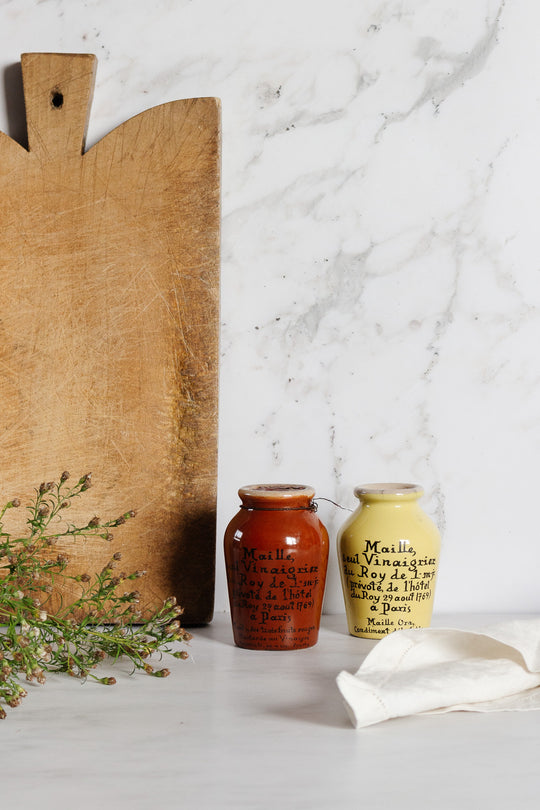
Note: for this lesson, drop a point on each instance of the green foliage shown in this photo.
(104, 621)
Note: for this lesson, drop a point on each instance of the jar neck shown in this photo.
(277, 498)
(388, 494)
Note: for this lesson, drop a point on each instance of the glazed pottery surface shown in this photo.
(388, 553)
(276, 554)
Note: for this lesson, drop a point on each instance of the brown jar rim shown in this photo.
(276, 496)
(277, 490)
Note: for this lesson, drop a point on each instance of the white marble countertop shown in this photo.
(243, 729)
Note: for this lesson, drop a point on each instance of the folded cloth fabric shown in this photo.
(430, 670)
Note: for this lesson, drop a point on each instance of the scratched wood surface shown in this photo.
(109, 324)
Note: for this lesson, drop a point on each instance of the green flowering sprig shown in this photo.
(104, 621)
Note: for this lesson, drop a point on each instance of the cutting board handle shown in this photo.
(58, 90)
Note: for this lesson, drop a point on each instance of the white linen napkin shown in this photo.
(430, 670)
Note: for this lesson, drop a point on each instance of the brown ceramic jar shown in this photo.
(276, 554)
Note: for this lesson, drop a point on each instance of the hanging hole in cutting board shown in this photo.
(57, 99)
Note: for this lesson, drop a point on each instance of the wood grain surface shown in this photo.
(109, 287)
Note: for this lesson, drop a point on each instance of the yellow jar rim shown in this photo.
(389, 491)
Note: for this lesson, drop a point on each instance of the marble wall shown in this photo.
(380, 259)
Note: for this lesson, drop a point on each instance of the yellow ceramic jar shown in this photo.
(388, 554)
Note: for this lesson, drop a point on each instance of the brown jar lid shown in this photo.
(276, 496)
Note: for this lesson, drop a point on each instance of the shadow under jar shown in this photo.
(276, 555)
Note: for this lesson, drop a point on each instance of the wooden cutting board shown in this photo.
(109, 280)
